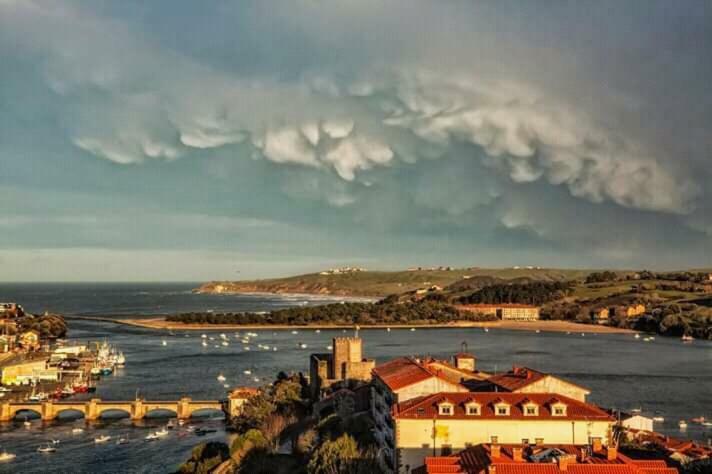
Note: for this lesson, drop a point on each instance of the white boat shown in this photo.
(687, 338)
(302, 345)
(295, 332)
(221, 378)
(120, 360)
(274, 349)
(77, 430)
(225, 343)
(637, 336)
(151, 436)
(4, 389)
(329, 347)
(247, 372)
(123, 440)
(223, 336)
(102, 439)
(204, 336)
(5, 456)
(317, 331)
(256, 379)
(658, 419)
(682, 424)
(205, 344)
(486, 329)
(412, 329)
(226, 385)
(161, 433)
(46, 449)
(164, 342)
(388, 329)
(247, 348)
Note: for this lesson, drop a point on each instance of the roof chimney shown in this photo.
(565, 460)
(517, 454)
(495, 451)
(597, 445)
(612, 453)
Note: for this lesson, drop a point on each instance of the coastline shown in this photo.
(548, 326)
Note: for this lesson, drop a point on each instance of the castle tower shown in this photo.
(347, 350)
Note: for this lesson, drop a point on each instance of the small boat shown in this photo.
(27, 424)
(412, 329)
(161, 433)
(151, 437)
(658, 419)
(164, 342)
(687, 338)
(699, 419)
(123, 440)
(538, 331)
(46, 449)
(247, 372)
(329, 347)
(274, 349)
(226, 385)
(204, 431)
(247, 348)
(317, 331)
(77, 430)
(120, 360)
(5, 456)
(256, 379)
(221, 378)
(204, 336)
(486, 329)
(171, 424)
(205, 344)
(707, 423)
(102, 439)
(302, 345)
(388, 329)
(181, 422)
(295, 332)
(637, 336)
(225, 343)
(682, 424)
(223, 336)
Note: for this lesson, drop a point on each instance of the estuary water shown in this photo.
(662, 377)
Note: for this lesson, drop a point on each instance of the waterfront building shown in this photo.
(11, 310)
(632, 311)
(530, 458)
(600, 315)
(237, 398)
(21, 370)
(442, 423)
(526, 380)
(397, 381)
(345, 362)
(504, 312)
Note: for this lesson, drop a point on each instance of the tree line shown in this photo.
(535, 293)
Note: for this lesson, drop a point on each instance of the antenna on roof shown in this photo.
(463, 346)
(356, 331)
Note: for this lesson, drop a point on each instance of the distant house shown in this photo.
(11, 310)
(238, 397)
(632, 311)
(505, 311)
(30, 340)
(21, 371)
(600, 315)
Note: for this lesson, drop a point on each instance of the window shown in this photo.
(445, 410)
(558, 411)
(525, 441)
(494, 439)
(538, 441)
(473, 409)
(531, 410)
(501, 410)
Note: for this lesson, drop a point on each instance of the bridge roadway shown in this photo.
(93, 409)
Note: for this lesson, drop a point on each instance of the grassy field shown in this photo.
(378, 283)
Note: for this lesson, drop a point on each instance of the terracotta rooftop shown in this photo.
(404, 371)
(496, 305)
(427, 406)
(520, 377)
(546, 459)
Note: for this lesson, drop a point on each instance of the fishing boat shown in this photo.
(102, 439)
(658, 419)
(5, 456)
(123, 440)
(161, 433)
(120, 360)
(151, 437)
(77, 430)
(221, 378)
(46, 449)
(106, 370)
(95, 372)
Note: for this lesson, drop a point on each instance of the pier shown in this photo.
(94, 408)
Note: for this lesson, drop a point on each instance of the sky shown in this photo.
(176, 140)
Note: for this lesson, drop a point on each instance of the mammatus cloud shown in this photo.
(343, 126)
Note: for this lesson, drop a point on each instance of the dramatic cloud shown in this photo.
(420, 120)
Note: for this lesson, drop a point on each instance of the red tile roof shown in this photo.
(520, 377)
(479, 460)
(426, 406)
(404, 371)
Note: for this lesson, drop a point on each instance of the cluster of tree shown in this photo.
(677, 319)
(599, 277)
(346, 313)
(48, 325)
(204, 458)
(535, 293)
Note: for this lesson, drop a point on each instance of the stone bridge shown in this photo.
(93, 409)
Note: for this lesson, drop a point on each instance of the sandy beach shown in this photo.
(552, 326)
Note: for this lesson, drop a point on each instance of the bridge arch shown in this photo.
(114, 413)
(69, 414)
(23, 413)
(207, 412)
(161, 413)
